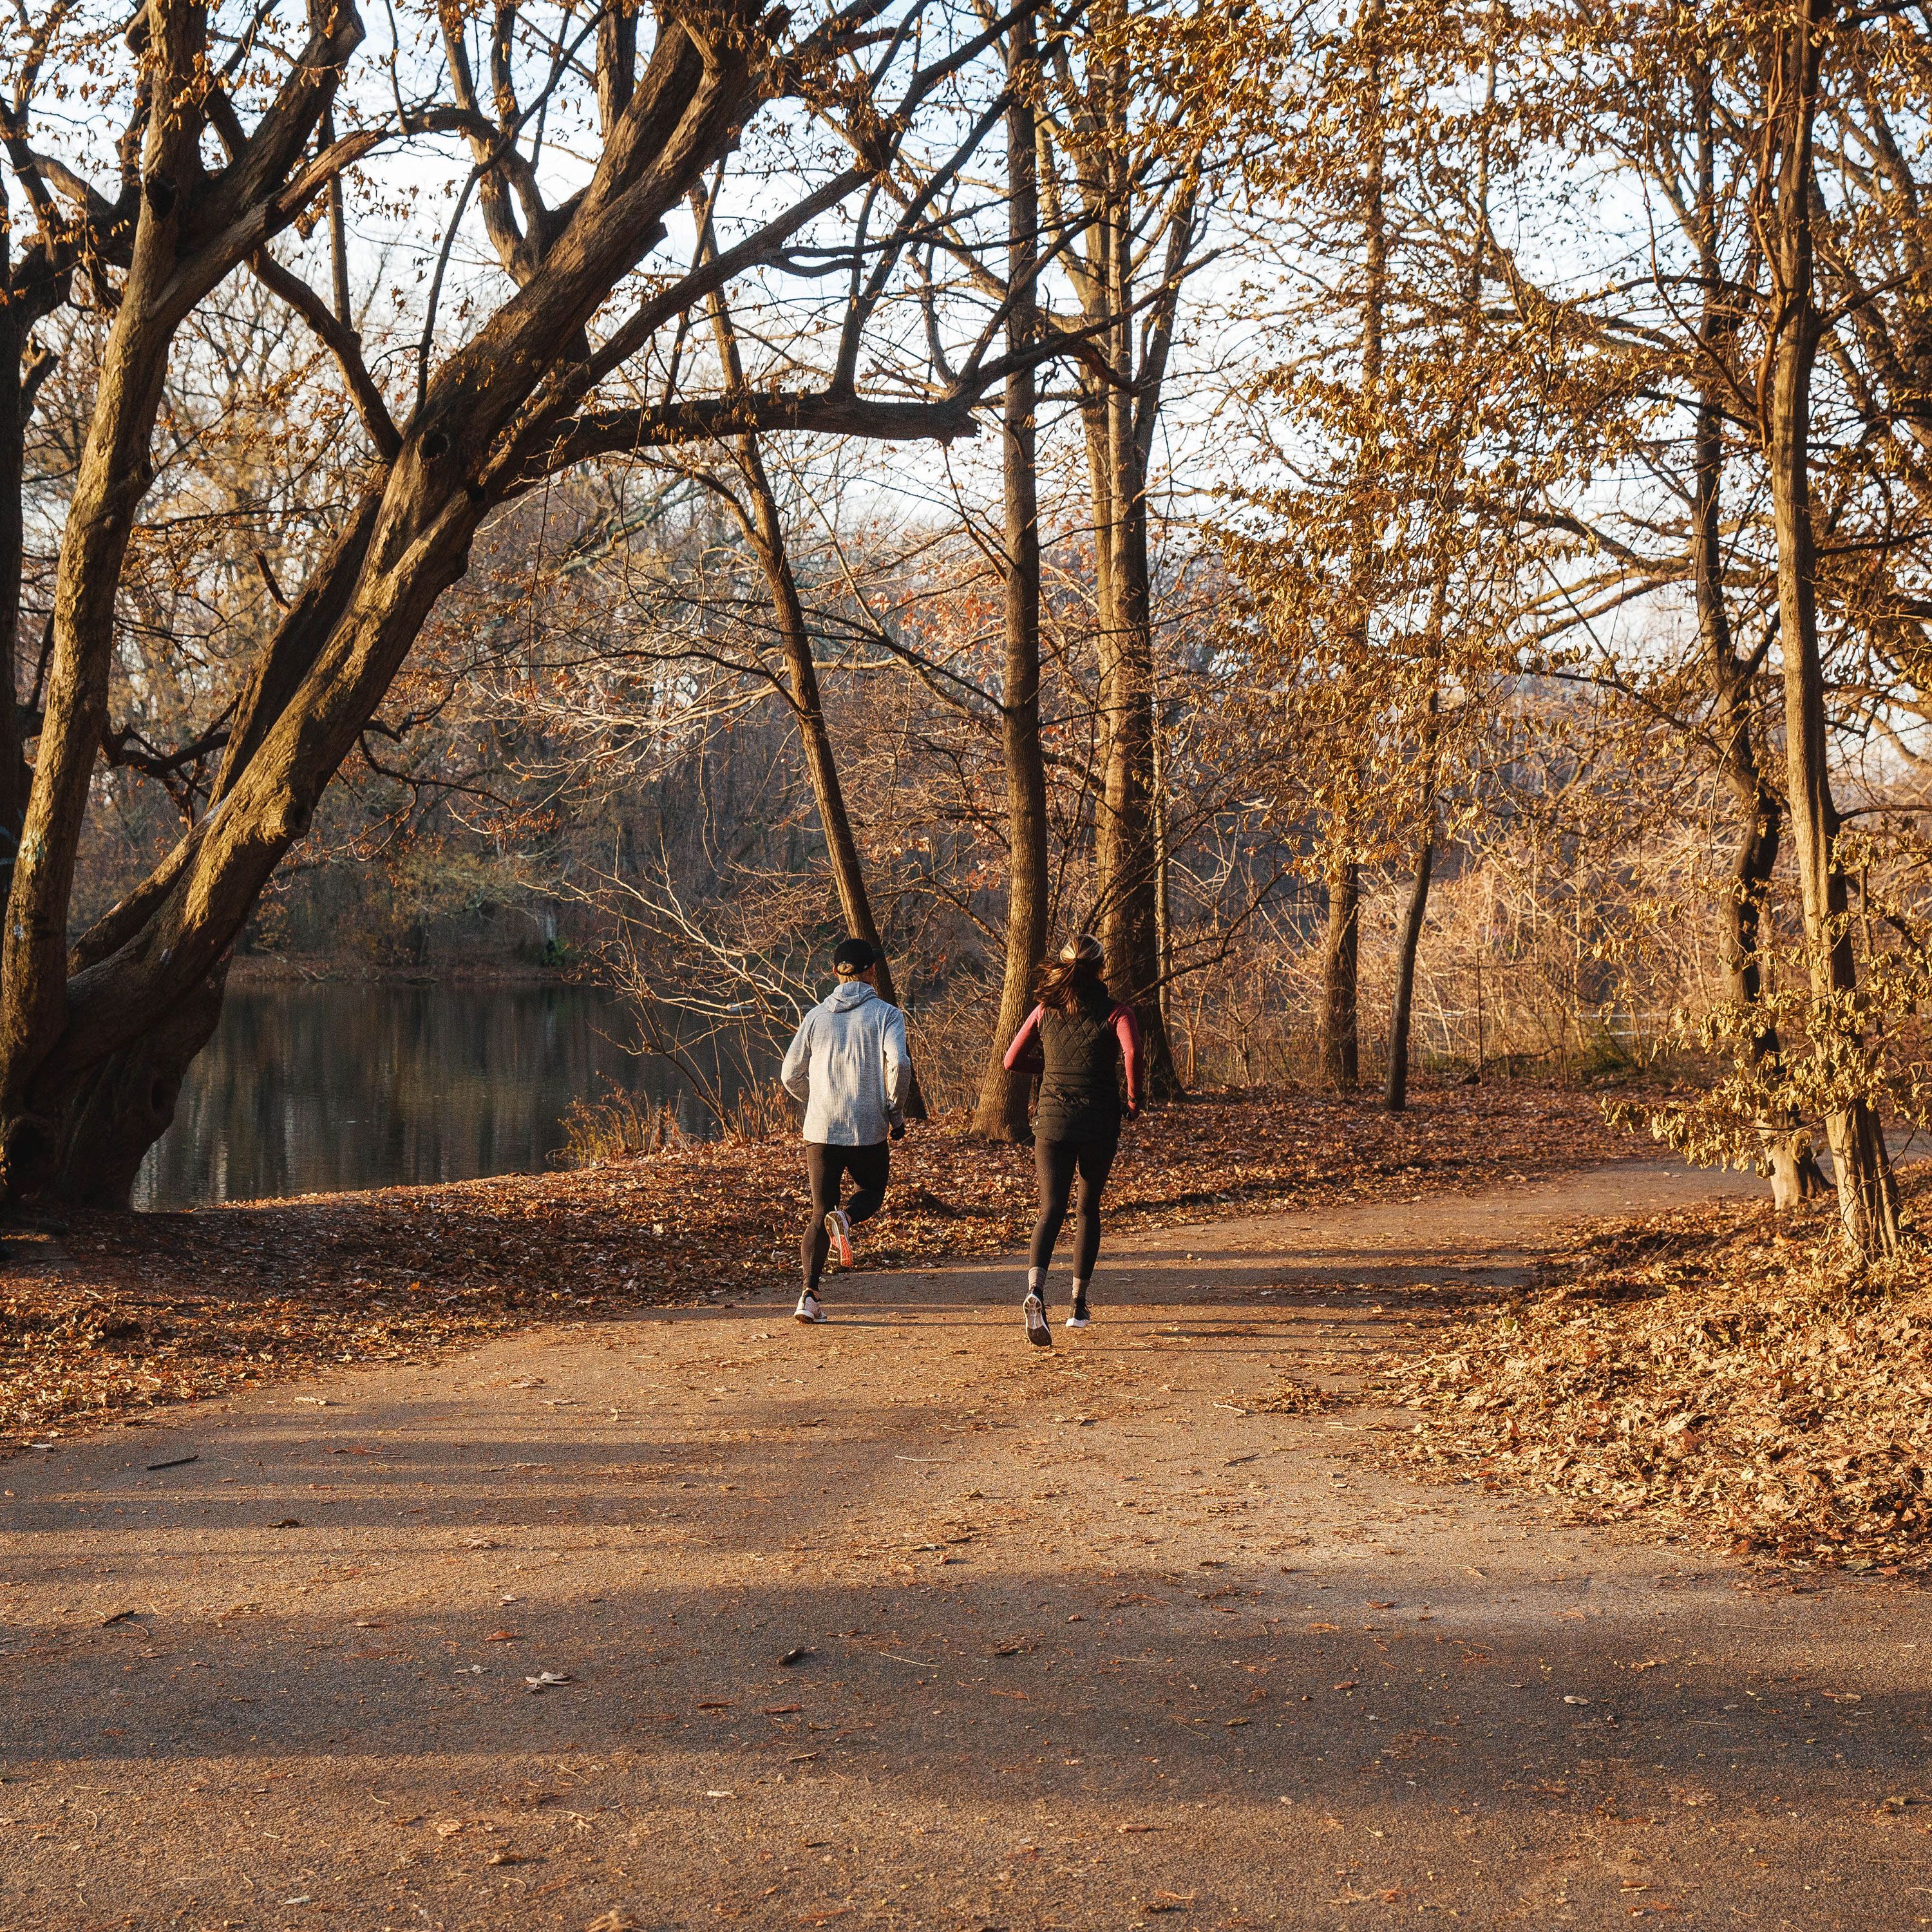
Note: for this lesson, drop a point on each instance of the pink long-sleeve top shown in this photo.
(1127, 1030)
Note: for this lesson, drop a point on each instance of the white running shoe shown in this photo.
(807, 1308)
(1080, 1318)
(1040, 1330)
(840, 1229)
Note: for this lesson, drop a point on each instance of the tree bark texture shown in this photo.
(1395, 1083)
(1001, 1110)
(1163, 868)
(1338, 1042)
(1126, 862)
(1867, 1193)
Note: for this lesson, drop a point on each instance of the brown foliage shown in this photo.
(1703, 1374)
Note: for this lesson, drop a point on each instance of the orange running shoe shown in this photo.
(840, 1229)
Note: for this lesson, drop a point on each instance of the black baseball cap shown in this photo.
(854, 956)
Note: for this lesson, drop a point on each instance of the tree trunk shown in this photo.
(821, 761)
(1127, 861)
(1001, 1113)
(1119, 403)
(1163, 870)
(765, 527)
(14, 774)
(1338, 1044)
(1395, 1086)
(1867, 1194)
(1395, 1090)
(123, 1104)
(112, 478)
(1126, 871)
(1795, 1173)
(1338, 1021)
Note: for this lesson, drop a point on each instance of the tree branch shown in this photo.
(341, 342)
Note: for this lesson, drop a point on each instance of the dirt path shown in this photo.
(1086, 1642)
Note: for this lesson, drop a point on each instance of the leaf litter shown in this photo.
(1717, 1372)
(131, 1312)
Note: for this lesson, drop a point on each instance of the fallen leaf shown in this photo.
(1696, 1372)
(301, 1285)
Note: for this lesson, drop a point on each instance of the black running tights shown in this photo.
(826, 1167)
(1057, 1163)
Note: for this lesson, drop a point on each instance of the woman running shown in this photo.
(1076, 1036)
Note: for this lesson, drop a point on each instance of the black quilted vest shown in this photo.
(1079, 1092)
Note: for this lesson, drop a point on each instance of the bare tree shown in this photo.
(92, 1047)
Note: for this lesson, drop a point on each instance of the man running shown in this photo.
(848, 1064)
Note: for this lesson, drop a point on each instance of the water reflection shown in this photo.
(315, 1089)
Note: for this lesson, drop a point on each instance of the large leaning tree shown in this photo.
(559, 319)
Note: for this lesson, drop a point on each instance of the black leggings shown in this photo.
(1056, 1162)
(825, 1166)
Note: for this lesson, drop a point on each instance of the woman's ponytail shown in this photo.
(1081, 965)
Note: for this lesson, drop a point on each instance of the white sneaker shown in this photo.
(807, 1308)
(840, 1229)
(1079, 1318)
(1040, 1330)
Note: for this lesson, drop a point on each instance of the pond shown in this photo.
(316, 1089)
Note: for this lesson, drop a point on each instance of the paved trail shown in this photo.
(1087, 1644)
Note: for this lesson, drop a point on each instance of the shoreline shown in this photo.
(250, 970)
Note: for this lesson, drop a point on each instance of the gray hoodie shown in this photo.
(848, 1064)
